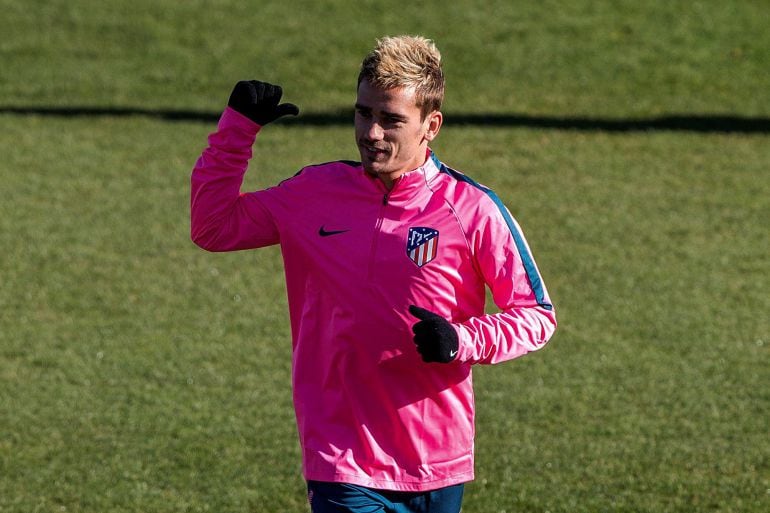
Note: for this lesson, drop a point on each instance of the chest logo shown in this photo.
(422, 245)
(323, 232)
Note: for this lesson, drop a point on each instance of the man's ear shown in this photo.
(433, 122)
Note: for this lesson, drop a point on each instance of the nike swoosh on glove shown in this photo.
(434, 336)
(259, 101)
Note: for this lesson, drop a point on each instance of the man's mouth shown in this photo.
(373, 150)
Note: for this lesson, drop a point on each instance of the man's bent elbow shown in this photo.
(548, 324)
(204, 239)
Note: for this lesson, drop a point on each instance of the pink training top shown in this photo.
(369, 410)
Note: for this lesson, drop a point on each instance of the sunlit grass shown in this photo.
(140, 373)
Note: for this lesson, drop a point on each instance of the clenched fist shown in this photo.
(434, 336)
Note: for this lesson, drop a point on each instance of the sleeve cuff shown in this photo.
(465, 345)
(231, 118)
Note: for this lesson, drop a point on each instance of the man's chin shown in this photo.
(374, 168)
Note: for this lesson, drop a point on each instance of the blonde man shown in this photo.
(386, 261)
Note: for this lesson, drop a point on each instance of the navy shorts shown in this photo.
(348, 498)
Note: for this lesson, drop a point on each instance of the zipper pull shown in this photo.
(385, 199)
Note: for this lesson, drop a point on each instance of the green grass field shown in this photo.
(141, 374)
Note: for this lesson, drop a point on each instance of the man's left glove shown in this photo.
(258, 101)
(435, 337)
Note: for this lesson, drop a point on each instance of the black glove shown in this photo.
(435, 337)
(258, 101)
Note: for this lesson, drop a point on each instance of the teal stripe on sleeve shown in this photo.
(533, 275)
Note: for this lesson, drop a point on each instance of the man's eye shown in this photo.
(364, 113)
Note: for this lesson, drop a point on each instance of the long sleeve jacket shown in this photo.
(369, 411)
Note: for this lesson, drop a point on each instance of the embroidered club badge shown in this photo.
(422, 245)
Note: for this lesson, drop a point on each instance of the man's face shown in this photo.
(391, 135)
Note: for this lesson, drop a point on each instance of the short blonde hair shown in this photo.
(407, 61)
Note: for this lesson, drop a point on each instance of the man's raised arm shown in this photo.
(221, 218)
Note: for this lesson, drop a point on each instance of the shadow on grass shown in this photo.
(689, 123)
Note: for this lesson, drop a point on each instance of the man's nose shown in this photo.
(375, 131)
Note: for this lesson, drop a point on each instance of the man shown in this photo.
(386, 264)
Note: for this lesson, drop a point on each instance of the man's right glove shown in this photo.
(435, 337)
(258, 101)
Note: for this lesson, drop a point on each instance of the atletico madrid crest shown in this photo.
(422, 245)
